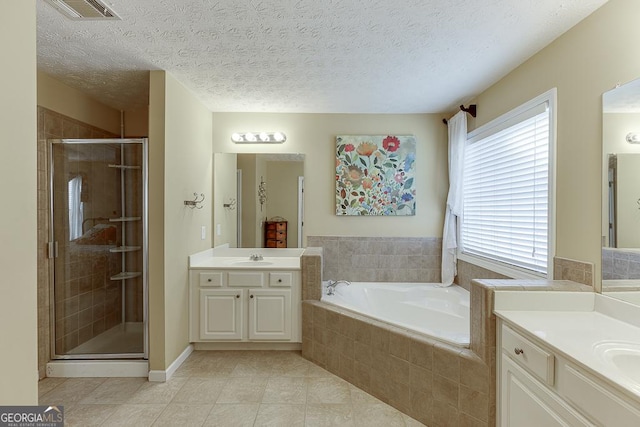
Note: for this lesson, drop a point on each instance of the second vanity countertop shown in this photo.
(239, 259)
(582, 326)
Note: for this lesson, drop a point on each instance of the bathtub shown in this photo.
(426, 308)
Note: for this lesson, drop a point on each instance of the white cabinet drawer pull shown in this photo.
(518, 351)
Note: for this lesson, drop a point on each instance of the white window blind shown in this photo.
(506, 191)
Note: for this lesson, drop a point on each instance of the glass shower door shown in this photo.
(98, 193)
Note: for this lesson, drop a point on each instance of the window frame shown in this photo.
(490, 128)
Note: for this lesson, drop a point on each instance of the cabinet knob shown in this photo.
(208, 280)
(279, 280)
(250, 296)
(237, 296)
(518, 351)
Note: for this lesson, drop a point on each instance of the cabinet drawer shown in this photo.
(528, 355)
(595, 400)
(213, 279)
(271, 234)
(281, 226)
(245, 279)
(280, 279)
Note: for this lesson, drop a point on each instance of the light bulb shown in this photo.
(633, 138)
(250, 137)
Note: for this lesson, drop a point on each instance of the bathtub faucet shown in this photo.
(331, 286)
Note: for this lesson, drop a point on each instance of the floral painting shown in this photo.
(375, 175)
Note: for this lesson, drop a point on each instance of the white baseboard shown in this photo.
(162, 376)
(97, 368)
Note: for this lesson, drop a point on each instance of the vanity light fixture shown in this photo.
(259, 138)
(633, 138)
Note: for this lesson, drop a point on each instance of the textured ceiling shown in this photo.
(329, 56)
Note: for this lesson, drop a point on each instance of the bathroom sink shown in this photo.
(624, 356)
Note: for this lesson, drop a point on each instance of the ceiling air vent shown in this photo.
(84, 9)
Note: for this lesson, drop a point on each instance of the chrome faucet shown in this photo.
(331, 286)
(256, 257)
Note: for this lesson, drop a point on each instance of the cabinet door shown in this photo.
(525, 402)
(270, 314)
(221, 314)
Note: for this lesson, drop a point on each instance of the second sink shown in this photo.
(624, 356)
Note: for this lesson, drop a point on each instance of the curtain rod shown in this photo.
(471, 109)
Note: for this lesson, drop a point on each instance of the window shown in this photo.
(507, 196)
(75, 207)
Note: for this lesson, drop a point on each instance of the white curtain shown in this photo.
(457, 140)
(75, 208)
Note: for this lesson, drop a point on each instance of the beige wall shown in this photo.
(225, 189)
(57, 96)
(136, 123)
(18, 217)
(181, 161)
(314, 135)
(586, 61)
(157, 118)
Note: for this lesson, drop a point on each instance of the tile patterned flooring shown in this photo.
(223, 388)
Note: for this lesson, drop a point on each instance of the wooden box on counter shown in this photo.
(275, 234)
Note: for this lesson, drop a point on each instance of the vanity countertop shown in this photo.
(240, 259)
(586, 327)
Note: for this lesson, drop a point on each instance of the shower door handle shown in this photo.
(52, 249)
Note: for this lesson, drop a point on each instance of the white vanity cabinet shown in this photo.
(244, 305)
(539, 386)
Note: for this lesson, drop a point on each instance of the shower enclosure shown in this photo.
(99, 242)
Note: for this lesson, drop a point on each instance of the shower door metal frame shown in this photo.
(145, 250)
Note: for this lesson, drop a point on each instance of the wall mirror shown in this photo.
(621, 192)
(251, 188)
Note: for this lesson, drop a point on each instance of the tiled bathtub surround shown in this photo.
(620, 264)
(468, 272)
(576, 271)
(437, 384)
(380, 259)
(311, 263)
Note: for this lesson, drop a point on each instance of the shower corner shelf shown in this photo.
(124, 167)
(125, 249)
(125, 219)
(126, 275)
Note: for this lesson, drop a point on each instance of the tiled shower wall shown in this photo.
(55, 125)
(380, 259)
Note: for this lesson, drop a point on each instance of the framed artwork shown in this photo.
(375, 175)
